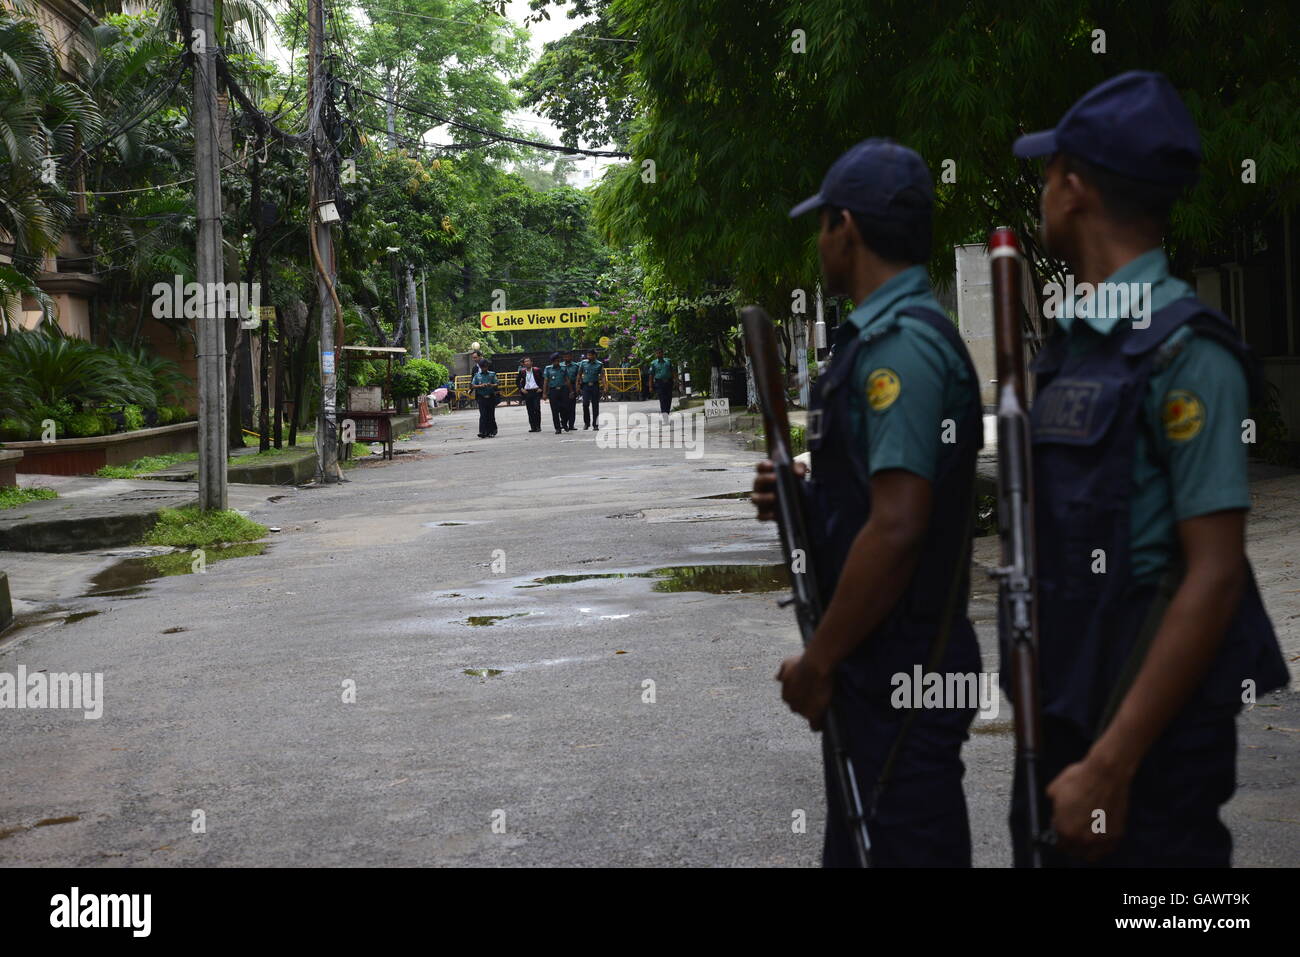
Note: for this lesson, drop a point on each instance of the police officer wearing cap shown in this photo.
(555, 390)
(1152, 631)
(591, 378)
(571, 398)
(894, 432)
(661, 380)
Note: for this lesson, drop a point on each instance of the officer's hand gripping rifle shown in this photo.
(760, 343)
(1017, 585)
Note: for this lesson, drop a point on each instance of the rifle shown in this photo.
(1016, 577)
(760, 343)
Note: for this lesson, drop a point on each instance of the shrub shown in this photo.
(13, 429)
(432, 374)
(82, 424)
(134, 417)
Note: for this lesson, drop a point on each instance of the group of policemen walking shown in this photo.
(559, 384)
(1146, 656)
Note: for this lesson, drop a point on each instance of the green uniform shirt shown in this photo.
(906, 383)
(661, 370)
(554, 376)
(570, 371)
(589, 371)
(485, 384)
(1189, 460)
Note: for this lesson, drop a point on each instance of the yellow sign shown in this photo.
(523, 320)
(266, 313)
(604, 342)
(882, 389)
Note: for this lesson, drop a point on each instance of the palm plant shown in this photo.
(54, 368)
(160, 377)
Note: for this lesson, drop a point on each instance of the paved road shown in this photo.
(224, 692)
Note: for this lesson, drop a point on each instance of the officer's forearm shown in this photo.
(1184, 645)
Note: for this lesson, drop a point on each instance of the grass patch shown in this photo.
(150, 463)
(11, 497)
(194, 528)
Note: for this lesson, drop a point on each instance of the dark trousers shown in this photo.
(590, 398)
(665, 392)
(1174, 800)
(533, 401)
(559, 412)
(487, 416)
(920, 818)
(570, 409)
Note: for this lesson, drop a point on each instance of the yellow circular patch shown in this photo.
(883, 387)
(1183, 415)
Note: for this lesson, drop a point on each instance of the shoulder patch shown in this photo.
(883, 387)
(1183, 415)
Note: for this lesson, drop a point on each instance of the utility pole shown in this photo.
(424, 303)
(208, 259)
(322, 249)
(413, 311)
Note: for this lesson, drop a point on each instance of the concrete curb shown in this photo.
(63, 525)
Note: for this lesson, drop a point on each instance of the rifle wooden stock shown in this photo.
(1017, 576)
(760, 344)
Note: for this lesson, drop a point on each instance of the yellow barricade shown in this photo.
(623, 381)
(507, 386)
(464, 391)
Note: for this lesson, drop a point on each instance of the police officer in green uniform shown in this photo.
(555, 390)
(591, 378)
(485, 393)
(571, 399)
(894, 433)
(661, 380)
(1151, 629)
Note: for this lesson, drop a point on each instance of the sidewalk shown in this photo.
(92, 524)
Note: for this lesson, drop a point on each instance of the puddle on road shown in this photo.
(713, 579)
(129, 577)
(483, 672)
(745, 494)
(992, 727)
(481, 620)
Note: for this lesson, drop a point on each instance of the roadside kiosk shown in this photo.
(370, 407)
